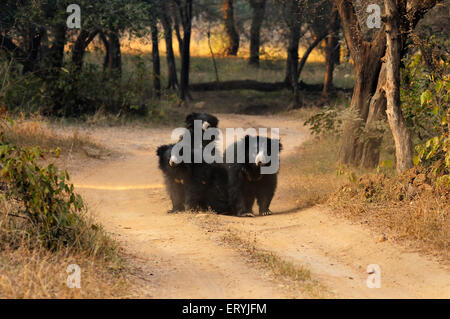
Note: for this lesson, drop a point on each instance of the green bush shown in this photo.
(425, 104)
(74, 93)
(55, 214)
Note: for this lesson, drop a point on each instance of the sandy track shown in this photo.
(180, 256)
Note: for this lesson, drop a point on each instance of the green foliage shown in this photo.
(79, 93)
(425, 103)
(44, 197)
(327, 121)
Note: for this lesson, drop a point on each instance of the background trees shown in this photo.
(35, 39)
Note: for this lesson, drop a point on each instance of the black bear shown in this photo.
(246, 181)
(194, 186)
(208, 121)
(174, 176)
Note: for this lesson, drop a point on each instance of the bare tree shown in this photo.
(293, 10)
(259, 7)
(166, 21)
(367, 55)
(185, 14)
(332, 51)
(400, 131)
(156, 78)
(232, 47)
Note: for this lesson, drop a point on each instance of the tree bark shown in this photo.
(186, 20)
(308, 51)
(332, 52)
(178, 34)
(113, 56)
(232, 47)
(31, 64)
(259, 7)
(367, 58)
(172, 81)
(373, 133)
(82, 42)
(400, 131)
(156, 61)
(56, 55)
(293, 19)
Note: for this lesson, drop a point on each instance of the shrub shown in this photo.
(55, 214)
(425, 103)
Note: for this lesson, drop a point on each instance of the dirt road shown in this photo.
(187, 256)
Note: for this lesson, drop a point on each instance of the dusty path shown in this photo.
(183, 256)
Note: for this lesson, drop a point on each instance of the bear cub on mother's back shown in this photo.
(194, 186)
(246, 181)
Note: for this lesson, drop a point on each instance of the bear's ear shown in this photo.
(161, 150)
(214, 121)
(191, 117)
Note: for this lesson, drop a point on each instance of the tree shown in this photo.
(185, 15)
(155, 57)
(400, 131)
(332, 52)
(166, 21)
(113, 55)
(232, 35)
(367, 55)
(293, 10)
(258, 7)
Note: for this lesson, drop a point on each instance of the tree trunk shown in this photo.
(400, 131)
(293, 19)
(56, 55)
(33, 48)
(259, 7)
(156, 62)
(113, 56)
(178, 34)
(307, 53)
(367, 59)
(170, 56)
(373, 133)
(332, 52)
(186, 19)
(232, 47)
(83, 40)
(366, 78)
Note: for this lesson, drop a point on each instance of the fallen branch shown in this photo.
(256, 86)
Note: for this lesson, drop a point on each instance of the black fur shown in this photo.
(174, 177)
(206, 186)
(246, 183)
(195, 186)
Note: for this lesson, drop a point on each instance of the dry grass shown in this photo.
(295, 277)
(405, 207)
(39, 131)
(29, 270)
(308, 176)
(38, 273)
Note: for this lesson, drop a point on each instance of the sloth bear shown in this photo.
(246, 181)
(194, 186)
(174, 176)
